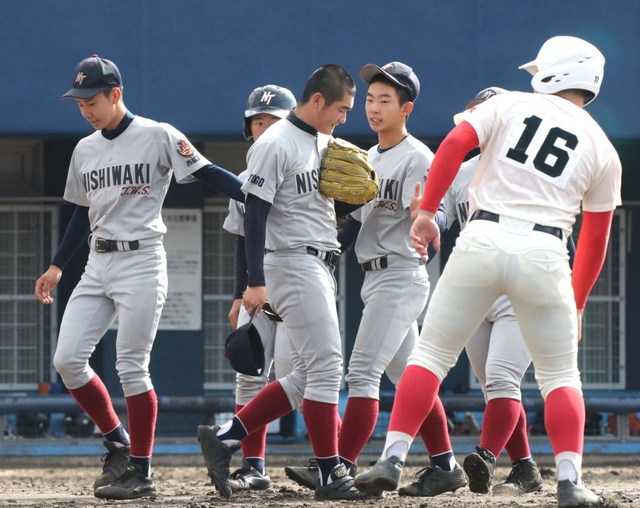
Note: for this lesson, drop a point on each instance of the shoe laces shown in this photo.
(486, 454)
(239, 473)
(313, 464)
(106, 458)
(516, 474)
(424, 473)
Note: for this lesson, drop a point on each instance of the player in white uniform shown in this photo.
(296, 224)
(266, 105)
(118, 178)
(543, 158)
(499, 358)
(396, 283)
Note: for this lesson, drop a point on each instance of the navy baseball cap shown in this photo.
(244, 349)
(396, 72)
(92, 76)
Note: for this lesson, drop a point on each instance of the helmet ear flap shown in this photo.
(247, 129)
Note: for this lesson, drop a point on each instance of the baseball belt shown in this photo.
(332, 257)
(494, 217)
(382, 263)
(102, 245)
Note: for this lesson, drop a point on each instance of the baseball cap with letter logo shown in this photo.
(92, 76)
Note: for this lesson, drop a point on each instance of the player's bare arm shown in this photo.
(234, 312)
(46, 283)
(425, 230)
(254, 296)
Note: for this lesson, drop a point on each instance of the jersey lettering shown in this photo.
(544, 150)
(463, 212)
(115, 176)
(307, 181)
(256, 180)
(388, 189)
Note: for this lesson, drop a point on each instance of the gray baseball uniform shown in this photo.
(283, 170)
(123, 181)
(396, 284)
(278, 353)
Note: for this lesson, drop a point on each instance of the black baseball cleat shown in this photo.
(115, 465)
(433, 481)
(217, 457)
(131, 485)
(341, 487)
(479, 467)
(305, 476)
(248, 478)
(384, 475)
(523, 478)
(576, 495)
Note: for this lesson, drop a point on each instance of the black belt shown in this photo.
(381, 263)
(494, 217)
(270, 313)
(332, 257)
(103, 245)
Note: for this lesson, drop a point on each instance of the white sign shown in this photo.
(183, 243)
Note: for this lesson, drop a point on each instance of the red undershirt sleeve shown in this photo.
(590, 253)
(450, 155)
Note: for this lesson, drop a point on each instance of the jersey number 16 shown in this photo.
(550, 158)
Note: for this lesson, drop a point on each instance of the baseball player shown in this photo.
(543, 157)
(265, 106)
(396, 283)
(118, 178)
(499, 358)
(289, 219)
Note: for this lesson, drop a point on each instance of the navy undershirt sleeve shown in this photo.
(343, 208)
(571, 247)
(241, 276)
(349, 233)
(221, 180)
(255, 226)
(77, 232)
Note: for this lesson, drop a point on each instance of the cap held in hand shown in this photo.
(244, 349)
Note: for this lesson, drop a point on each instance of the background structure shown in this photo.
(193, 63)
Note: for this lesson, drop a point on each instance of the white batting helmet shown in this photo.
(565, 63)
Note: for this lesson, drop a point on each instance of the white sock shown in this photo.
(568, 466)
(398, 444)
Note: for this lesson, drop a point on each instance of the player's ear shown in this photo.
(407, 108)
(116, 95)
(318, 100)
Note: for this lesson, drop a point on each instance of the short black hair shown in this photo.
(107, 92)
(403, 93)
(332, 81)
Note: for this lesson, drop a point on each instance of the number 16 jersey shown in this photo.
(541, 157)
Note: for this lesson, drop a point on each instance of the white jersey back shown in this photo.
(542, 156)
(456, 200)
(386, 220)
(283, 167)
(234, 221)
(124, 180)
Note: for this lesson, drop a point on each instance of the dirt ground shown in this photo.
(182, 481)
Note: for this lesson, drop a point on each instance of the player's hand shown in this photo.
(414, 206)
(580, 313)
(234, 312)
(254, 296)
(425, 230)
(46, 283)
